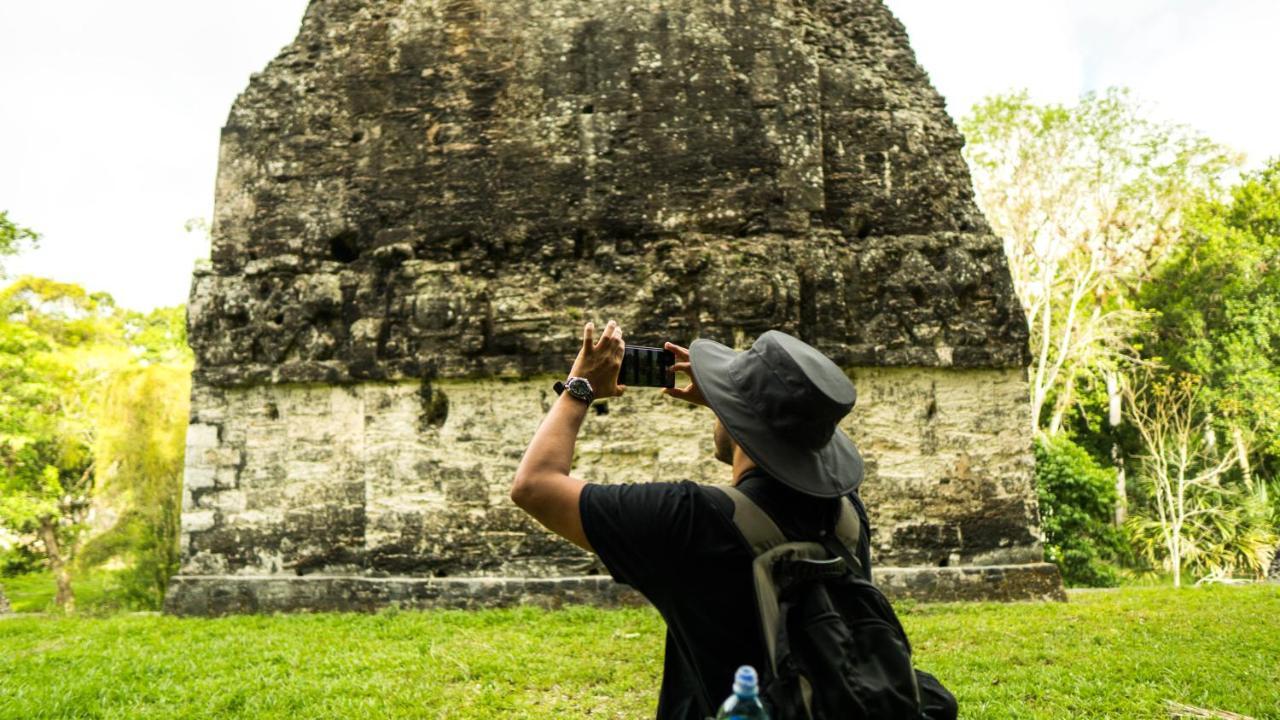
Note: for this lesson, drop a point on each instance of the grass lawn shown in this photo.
(35, 592)
(1104, 654)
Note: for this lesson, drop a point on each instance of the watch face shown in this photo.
(579, 388)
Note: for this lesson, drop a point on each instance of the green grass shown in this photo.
(1112, 654)
(35, 592)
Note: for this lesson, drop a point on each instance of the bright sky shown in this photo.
(110, 112)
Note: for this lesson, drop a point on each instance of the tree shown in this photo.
(13, 237)
(57, 343)
(1199, 519)
(1217, 305)
(45, 473)
(159, 336)
(140, 449)
(1087, 199)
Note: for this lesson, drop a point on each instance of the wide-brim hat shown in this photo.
(782, 401)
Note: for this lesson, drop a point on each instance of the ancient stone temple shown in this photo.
(420, 202)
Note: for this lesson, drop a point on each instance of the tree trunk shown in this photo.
(1115, 401)
(1242, 451)
(65, 598)
(1115, 414)
(1061, 405)
(1122, 498)
(1175, 555)
(1179, 514)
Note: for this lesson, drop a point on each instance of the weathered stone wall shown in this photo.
(419, 202)
(389, 479)
(445, 186)
(227, 594)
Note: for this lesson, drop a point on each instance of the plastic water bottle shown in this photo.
(744, 703)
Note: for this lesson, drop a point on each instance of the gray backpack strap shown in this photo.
(849, 527)
(753, 522)
(762, 534)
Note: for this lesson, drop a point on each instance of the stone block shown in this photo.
(198, 476)
(198, 521)
(201, 436)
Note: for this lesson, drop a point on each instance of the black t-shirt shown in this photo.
(677, 545)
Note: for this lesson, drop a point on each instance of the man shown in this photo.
(776, 408)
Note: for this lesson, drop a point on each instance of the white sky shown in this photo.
(110, 111)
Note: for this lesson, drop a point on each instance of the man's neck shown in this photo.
(741, 464)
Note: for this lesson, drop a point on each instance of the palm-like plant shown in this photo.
(1198, 519)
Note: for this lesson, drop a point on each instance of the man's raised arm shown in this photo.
(543, 487)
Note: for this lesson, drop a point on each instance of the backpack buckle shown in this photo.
(799, 570)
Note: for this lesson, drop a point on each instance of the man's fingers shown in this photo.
(587, 331)
(607, 334)
(621, 389)
(683, 367)
(681, 353)
(680, 393)
(615, 339)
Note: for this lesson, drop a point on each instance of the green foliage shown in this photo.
(92, 409)
(140, 444)
(1077, 501)
(1217, 308)
(19, 559)
(13, 237)
(1104, 654)
(50, 335)
(1217, 300)
(159, 336)
(1127, 262)
(1087, 197)
(1107, 140)
(1230, 532)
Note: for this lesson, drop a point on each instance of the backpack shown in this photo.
(836, 649)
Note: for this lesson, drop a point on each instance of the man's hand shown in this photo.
(690, 392)
(600, 362)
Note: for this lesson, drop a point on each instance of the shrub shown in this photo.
(1230, 532)
(1077, 501)
(19, 560)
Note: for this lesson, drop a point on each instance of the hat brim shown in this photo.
(833, 470)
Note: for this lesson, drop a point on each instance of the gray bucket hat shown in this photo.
(781, 402)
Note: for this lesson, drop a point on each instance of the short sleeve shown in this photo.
(642, 532)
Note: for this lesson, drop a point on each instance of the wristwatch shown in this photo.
(579, 389)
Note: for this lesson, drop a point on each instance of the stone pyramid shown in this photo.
(420, 201)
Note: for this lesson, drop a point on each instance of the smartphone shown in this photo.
(647, 367)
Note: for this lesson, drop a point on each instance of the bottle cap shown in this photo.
(745, 682)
